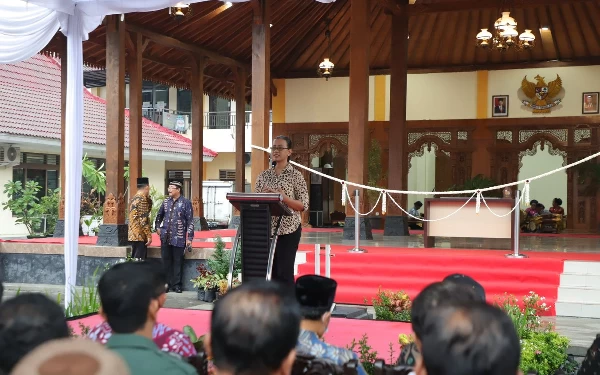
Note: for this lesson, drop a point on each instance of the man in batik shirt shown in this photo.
(315, 295)
(175, 226)
(140, 230)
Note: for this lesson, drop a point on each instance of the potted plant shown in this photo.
(199, 282)
(23, 203)
(210, 288)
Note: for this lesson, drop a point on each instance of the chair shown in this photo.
(310, 365)
(200, 362)
(382, 369)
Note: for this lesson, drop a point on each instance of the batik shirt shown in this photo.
(139, 218)
(310, 344)
(292, 183)
(176, 222)
(167, 339)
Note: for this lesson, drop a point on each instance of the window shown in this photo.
(44, 169)
(227, 174)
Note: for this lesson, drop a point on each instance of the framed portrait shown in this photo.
(589, 103)
(500, 106)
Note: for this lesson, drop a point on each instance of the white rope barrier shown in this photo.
(356, 210)
(430, 220)
(519, 202)
(525, 181)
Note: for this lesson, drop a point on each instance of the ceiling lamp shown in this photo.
(506, 36)
(326, 66)
(180, 10)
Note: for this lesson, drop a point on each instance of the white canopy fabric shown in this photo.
(26, 27)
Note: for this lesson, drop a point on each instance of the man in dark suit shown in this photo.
(499, 108)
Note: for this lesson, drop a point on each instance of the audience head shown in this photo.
(315, 294)
(533, 203)
(540, 207)
(468, 339)
(71, 357)
(468, 282)
(26, 322)
(131, 294)
(143, 185)
(557, 202)
(254, 330)
(418, 204)
(436, 295)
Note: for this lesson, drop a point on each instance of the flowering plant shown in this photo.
(527, 318)
(404, 339)
(204, 278)
(391, 305)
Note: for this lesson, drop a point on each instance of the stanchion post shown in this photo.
(516, 229)
(328, 260)
(357, 248)
(318, 259)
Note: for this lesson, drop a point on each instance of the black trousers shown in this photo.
(285, 256)
(139, 250)
(172, 257)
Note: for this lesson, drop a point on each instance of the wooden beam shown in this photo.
(114, 207)
(398, 156)
(176, 43)
(358, 129)
(458, 5)
(135, 112)
(261, 79)
(63, 123)
(197, 88)
(240, 130)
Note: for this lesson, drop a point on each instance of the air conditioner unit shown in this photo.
(9, 155)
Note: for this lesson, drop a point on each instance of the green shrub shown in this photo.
(366, 355)
(544, 352)
(394, 306)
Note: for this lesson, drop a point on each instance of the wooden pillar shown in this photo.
(59, 229)
(135, 112)
(396, 224)
(197, 87)
(358, 129)
(261, 86)
(114, 230)
(240, 130)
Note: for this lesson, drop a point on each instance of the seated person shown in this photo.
(556, 207)
(130, 295)
(469, 339)
(531, 210)
(26, 322)
(315, 295)
(454, 289)
(253, 330)
(541, 210)
(414, 212)
(71, 356)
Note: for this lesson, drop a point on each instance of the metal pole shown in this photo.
(318, 259)
(517, 229)
(357, 248)
(328, 260)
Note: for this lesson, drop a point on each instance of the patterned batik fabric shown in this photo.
(310, 344)
(591, 362)
(176, 222)
(408, 355)
(166, 339)
(292, 183)
(140, 228)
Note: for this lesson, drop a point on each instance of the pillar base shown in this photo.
(235, 222)
(200, 224)
(113, 235)
(59, 229)
(366, 232)
(396, 226)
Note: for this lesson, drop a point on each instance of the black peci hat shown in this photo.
(176, 183)
(315, 294)
(143, 181)
(467, 281)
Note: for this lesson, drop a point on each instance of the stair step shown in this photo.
(574, 293)
(578, 309)
(581, 268)
(579, 280)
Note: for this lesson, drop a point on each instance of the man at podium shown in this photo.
(286, 180)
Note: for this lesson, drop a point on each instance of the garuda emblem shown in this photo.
(541, 94)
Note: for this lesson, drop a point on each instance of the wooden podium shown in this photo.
(254, 233)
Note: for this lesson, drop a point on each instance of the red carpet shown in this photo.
(359, 276)
(340, 333)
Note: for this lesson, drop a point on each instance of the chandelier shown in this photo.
(506, 36)
(326, 66)
(177, 10)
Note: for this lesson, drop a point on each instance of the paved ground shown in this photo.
(581, 331)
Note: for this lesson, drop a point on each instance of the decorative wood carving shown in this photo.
(110, 209)
(61, 207)
(196, 205)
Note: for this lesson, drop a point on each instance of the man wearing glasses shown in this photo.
(175, 226)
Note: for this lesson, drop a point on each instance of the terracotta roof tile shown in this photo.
(30, 106)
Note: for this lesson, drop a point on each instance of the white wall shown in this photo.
(8, 228)
(546, 189)
(576, 81)
(155, 171)
(421, 177)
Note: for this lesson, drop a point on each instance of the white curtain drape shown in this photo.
(26, 26)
